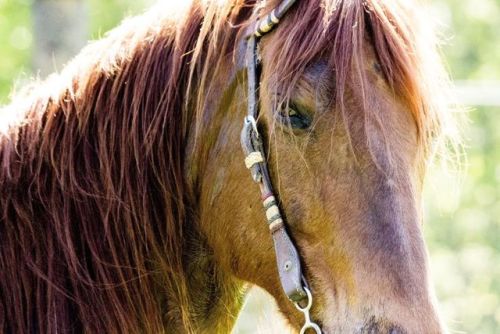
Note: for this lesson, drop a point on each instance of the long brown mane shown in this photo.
(96, 206)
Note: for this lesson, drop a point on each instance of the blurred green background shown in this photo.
(462, 226)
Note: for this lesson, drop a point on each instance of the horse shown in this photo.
(126, 206)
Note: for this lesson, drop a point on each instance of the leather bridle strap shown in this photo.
(287, 256)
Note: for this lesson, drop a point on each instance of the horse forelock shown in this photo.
(405, 47)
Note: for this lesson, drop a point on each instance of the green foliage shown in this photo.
(463, 231)
(15, 42)
(104, 15)
(16, 37)
(462, 218)
(471, 36)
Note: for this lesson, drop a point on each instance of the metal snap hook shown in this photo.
(308, 324)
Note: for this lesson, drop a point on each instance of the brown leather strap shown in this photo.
(289, 268)
(287, 256)
(288, 260)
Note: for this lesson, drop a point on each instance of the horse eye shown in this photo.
(292, 116)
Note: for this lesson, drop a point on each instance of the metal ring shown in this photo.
(310, 325)
(309, 301)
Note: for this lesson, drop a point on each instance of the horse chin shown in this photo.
(380, 326)
(335, 318)
(332, 322)
(371, 326)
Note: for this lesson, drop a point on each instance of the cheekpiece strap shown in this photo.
(287, 256)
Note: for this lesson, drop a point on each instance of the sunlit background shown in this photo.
(462, 226)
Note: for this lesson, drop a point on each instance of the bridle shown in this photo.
(292, 280)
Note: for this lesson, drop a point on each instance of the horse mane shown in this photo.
(95, 204)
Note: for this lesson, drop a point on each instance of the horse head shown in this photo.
(347, 124)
